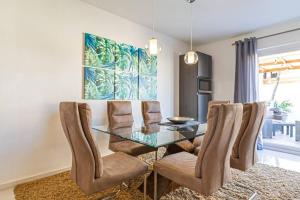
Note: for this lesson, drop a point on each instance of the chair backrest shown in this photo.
(119, 114)
(151, 112)
(213, 163)
(244, 150)
(210, 103)
(86, 159)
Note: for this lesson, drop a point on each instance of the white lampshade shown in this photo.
(153, 47)
(191, 57)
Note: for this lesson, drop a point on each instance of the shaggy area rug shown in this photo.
(269, 182)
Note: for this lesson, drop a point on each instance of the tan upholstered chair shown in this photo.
(120, 117)
(208, 171)
(90, 171)
(244, 150)
(151, 112)
(152, 115)
(197, 141)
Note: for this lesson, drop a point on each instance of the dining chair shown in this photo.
(244, 150)
(120, 117)
(151, 112)
(90, 171)
(210, 170)
(152, 115)
(198, 140)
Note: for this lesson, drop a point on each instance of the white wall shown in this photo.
(41, 65)
(223, 54)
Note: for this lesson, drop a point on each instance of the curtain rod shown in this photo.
(292, 30)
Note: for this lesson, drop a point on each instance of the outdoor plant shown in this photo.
(284, 106)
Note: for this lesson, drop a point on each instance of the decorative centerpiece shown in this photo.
(180, 120)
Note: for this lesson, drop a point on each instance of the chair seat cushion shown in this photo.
(119, 167)
(131, 148)
(180, 168)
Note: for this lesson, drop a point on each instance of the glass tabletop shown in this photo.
(155, 135)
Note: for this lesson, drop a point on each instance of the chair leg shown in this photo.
(254, 196)
(145, 186)
(156, 154)
(112, 195)
(155, 185)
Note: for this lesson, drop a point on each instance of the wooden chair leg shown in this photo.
(145, 186)
(155, 185)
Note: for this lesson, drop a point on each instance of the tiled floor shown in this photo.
(273, 158)
(284, 143)
(278, 159)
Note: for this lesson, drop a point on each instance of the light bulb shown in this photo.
(191, 57)
(153, 47)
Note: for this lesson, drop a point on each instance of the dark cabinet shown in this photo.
(203, 100)
(204, 65)
(193, 100)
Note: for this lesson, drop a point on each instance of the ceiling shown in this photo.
(213, 19)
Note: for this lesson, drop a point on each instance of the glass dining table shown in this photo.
(156, 135)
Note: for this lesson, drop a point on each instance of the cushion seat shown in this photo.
(129, 147)
(179, 167)
(118, 167)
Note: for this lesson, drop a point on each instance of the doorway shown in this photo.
(279, 87)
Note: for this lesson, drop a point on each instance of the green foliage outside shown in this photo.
(284, 106)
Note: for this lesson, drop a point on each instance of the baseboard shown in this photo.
(13, 183)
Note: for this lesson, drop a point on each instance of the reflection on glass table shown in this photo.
(155, 135)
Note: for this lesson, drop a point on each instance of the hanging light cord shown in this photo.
(153, 17)
(191, 26)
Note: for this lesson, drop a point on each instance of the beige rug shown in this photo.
(268, 182)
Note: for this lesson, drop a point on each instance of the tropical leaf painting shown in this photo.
(126, 85)
(98, 83)
(117, 71)
(147, 87)
(126, 57)
(99, 52)
(147, 63)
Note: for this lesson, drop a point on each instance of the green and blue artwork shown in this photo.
(127, 58)
(98, 83)
(147, 63)
(99, 52)
(147, 87)
(147, 76)
(117, 71)
(126, 85)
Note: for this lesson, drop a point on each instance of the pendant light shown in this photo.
(191, 56)
(153, 47)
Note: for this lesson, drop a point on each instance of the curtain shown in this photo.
(246, 71)
(247, 75)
